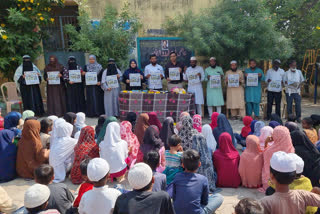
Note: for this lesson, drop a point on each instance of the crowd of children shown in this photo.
(170, 169)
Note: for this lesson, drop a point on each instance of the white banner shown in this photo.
(91, 78)
(215, 81)
(112, 81)
(193, 77)
(233, 80)
(53, 78)
(135, 80)
(174, 73)
(31, 78)
(75, 76)
(275, 85)
(252, 79)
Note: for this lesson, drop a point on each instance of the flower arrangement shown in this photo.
(178, 90)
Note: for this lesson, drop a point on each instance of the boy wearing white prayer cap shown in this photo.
(36, 200)
(283, 170)
(142, 200)
(101, 199)
(194, 75)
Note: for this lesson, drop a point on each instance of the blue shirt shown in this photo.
(160, 182)
(190, 191)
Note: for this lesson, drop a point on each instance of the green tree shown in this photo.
(232, 29)
(114, 37)
(21, 22)
(297, 20)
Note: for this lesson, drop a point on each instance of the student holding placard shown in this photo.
(74, 77)
(213, 76)
(194, 75)
(28, 78)
(235, 92)
(274, 78)
(254, 76)
(93, 74)
(56, 89)
(133, 77)
(174, 72)
(111, 87)
(154, 74)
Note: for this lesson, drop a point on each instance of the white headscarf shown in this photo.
(113, 144)
(53, 118)
(211, 141)
(63, 144)
(81, 119)
(54, 129)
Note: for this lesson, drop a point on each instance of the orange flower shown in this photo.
(29, 8)
(23, 9)
(41, 18)
(3, 25)
(31, 1)
(13, 58)
(4, 37)
(52, 19)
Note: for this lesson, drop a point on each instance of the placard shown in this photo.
(274, 85)
(75, 76)
(193, 77)
(135, 80)
(233, 80)
(31, 78)
(53, 78)
(252, 79)
(91, 78)
(112, 81)
(155, 80)
(174, 73)
(294, 85)
(215, 81)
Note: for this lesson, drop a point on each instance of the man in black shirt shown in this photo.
(142, 200)
(174, 67)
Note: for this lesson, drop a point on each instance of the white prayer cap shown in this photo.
(213, 58)
(97, 169)
(140, 175)
(277, 60)
(233, 62)
(36, 195)
(193, 58)
(26, 57)
(283, 162)
(299, 162)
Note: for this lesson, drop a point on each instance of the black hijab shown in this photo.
(27, 64)
(292, 126)
(101, 121)
(316, 119)
(308, 152)
(151, 141)
(132, 117)
(112, 69)
(167, 131)
(275, 117)
(72, 63)
(70, 117)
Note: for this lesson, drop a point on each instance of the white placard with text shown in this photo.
(31, 78)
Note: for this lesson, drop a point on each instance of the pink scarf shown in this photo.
(214, 120)
(282, 142)
(197, 122)
(132, 140)
(251, 163)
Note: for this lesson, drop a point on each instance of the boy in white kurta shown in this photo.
(194, 75)
(101, 199)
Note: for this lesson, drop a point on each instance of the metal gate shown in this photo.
(57, 42)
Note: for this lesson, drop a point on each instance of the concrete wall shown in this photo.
(152, 13)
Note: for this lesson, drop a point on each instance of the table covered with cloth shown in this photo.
(164, 104)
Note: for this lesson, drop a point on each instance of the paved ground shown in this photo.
(17, 187)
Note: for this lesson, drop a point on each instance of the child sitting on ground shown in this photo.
(282, 173)
(300, 182)
(191, 190)
(307, 125)
(36, 200)
(248, 206)
(101, 199)
(153, 160)
(173, 158)
(46, 127)
(61, 198)
(87, 185)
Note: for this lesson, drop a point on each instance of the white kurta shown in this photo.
(99, 200)
(195, 88)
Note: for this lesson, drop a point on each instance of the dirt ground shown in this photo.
(17, 187)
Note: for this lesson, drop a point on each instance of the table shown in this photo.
(164, 104)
